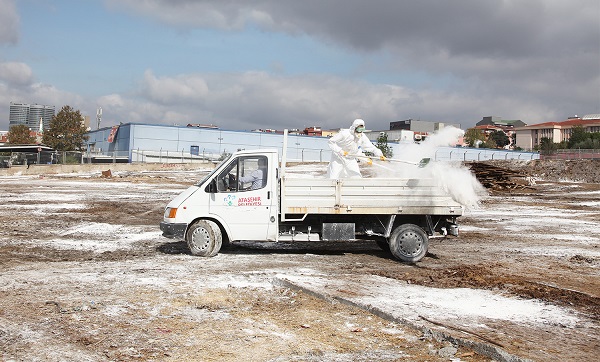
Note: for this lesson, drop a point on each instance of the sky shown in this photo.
(274, 64)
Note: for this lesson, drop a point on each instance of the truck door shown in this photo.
(245, 198)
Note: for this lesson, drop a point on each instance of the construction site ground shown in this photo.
(85, 275)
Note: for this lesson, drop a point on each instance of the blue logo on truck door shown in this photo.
(230, 200)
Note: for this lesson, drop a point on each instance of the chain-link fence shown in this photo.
(9, 159)
(573, 154)
(294, 154)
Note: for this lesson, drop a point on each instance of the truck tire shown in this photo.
(409, 243)
(204, 238)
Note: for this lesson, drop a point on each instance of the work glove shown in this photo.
(344, 153)
(369, 161)
(382, 158)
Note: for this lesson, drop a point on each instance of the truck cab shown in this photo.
(228, 202)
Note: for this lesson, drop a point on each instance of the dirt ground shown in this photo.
(86, 276)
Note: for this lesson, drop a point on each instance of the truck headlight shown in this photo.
(170, 212)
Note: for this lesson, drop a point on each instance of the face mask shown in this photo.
(359, 129)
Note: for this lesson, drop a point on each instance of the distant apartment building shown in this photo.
(418, 126)
(85, 122)
(529, 137)
(313, 131)
(499, 122)
(30, 115)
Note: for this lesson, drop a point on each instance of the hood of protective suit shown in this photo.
(357, 123)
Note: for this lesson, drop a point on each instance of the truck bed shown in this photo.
(366, 196)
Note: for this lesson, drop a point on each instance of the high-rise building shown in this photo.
(30, 115)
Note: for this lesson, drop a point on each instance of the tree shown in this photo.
(20, 135)
(490, 143)
(382, 144)
(499, 138)
(582, 139)
(66, 131)
(547, 147)
(472, 136)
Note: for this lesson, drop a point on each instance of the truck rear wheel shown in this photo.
(409, 243)
(204, 238)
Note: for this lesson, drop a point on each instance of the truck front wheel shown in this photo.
(204, 238)
(409, 243)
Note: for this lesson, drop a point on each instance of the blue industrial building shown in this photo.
(134, 142)
(172, 144)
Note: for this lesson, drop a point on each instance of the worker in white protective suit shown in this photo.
(346, 146)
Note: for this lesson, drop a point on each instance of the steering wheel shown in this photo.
(231, 180)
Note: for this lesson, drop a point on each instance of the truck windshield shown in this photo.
(225, 160)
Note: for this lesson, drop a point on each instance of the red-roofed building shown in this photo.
(529, 137)
(313, 131)
(491, 123)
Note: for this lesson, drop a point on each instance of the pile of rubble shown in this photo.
(506, 175)
(498, 178)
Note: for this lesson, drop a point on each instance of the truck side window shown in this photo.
(253, 173)
(243, 174)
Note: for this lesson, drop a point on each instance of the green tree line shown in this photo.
(496, 139)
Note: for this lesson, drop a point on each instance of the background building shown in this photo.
(529, 137)
(85, 123)
(30, 115)
(134, 142)
(499, 122)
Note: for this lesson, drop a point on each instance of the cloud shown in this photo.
(498, 28)
(17, 85)
(182, 89)
(261, 100)
(529, 51)
(17, 74)
(255, 99)
(223, 15)
(9, 22)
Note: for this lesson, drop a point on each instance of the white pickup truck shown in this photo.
(400, 214)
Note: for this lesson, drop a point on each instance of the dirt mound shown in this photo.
(587, 171)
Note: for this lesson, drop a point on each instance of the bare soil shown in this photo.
(65, 295)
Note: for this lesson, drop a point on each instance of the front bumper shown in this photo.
(173, 230)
